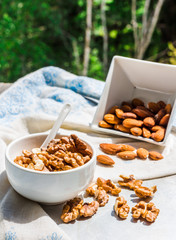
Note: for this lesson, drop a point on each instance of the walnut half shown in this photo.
(148, 211)
(129, 182)
(71, 210)
(121, 207)
(89, 209)
(108, 186)
(144, 192)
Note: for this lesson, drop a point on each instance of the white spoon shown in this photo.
(62, 115)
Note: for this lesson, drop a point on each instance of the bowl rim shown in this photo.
(46, 173)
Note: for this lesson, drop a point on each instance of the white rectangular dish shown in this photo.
(131, 78)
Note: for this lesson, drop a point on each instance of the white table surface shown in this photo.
(106, 225)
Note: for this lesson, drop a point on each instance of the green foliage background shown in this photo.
(34, 34)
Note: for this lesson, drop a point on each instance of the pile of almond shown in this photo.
(134, 118)
(125, 152)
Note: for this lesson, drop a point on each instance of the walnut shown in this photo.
(27, 153)
(60, 155)
(147, 211)
(71, 161)
(81, 146)
(152, 212)
(71, 210)
(89, 209)
(139, 210)
(129, 182)
(108, 186)
(121, 207)
(92, 188)
(144, 192)
(101, 196)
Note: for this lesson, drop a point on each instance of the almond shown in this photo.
(112, 119)
(156, 128)
(142, 112)
(142, 153)
(161, 104)
(112, 110)
(146, 133)
(158, 136)
(164, 120)
(126, 108)
(110, 148)
(121, 128)
(127, 155)
(105, 160)
(168, 108)
(149, 121)
(136, 131)
(159, 115)
(119, 113)
(137, 102)
(126, 147)
(104, 124)
(153, 107)
(126, 103)
(129, 123)
(155, 155)
(129, 115)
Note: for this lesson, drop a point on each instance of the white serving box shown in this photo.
(130, 78)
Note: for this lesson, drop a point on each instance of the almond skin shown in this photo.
(136, 131)
(104, 124)
(155, 155)
(129, 115)
(146, 133)
(121, 128)
(156, 128)
(119, 113)
(110, 148)
(126, 147)
(149, 122)
(129, 123)
(112, 110)
(158, 136)
(126, 108)
(137, 102)
(164, 120)
(127, 155)
(112, 119)
(105, 160)
(168, 108)
(161, 104)
(159, 115)
(153, 107)
(142, 112)
(126, 103)
(142, 153)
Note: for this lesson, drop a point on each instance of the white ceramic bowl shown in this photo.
(46, 187)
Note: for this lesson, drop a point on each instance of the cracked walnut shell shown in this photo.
(121, 207)
(130, 182)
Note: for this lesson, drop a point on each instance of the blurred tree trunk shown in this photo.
(87, 37)
(143, 36)
(105, 35)
(76, 56)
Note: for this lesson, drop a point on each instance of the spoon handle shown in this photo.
(64, 112)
